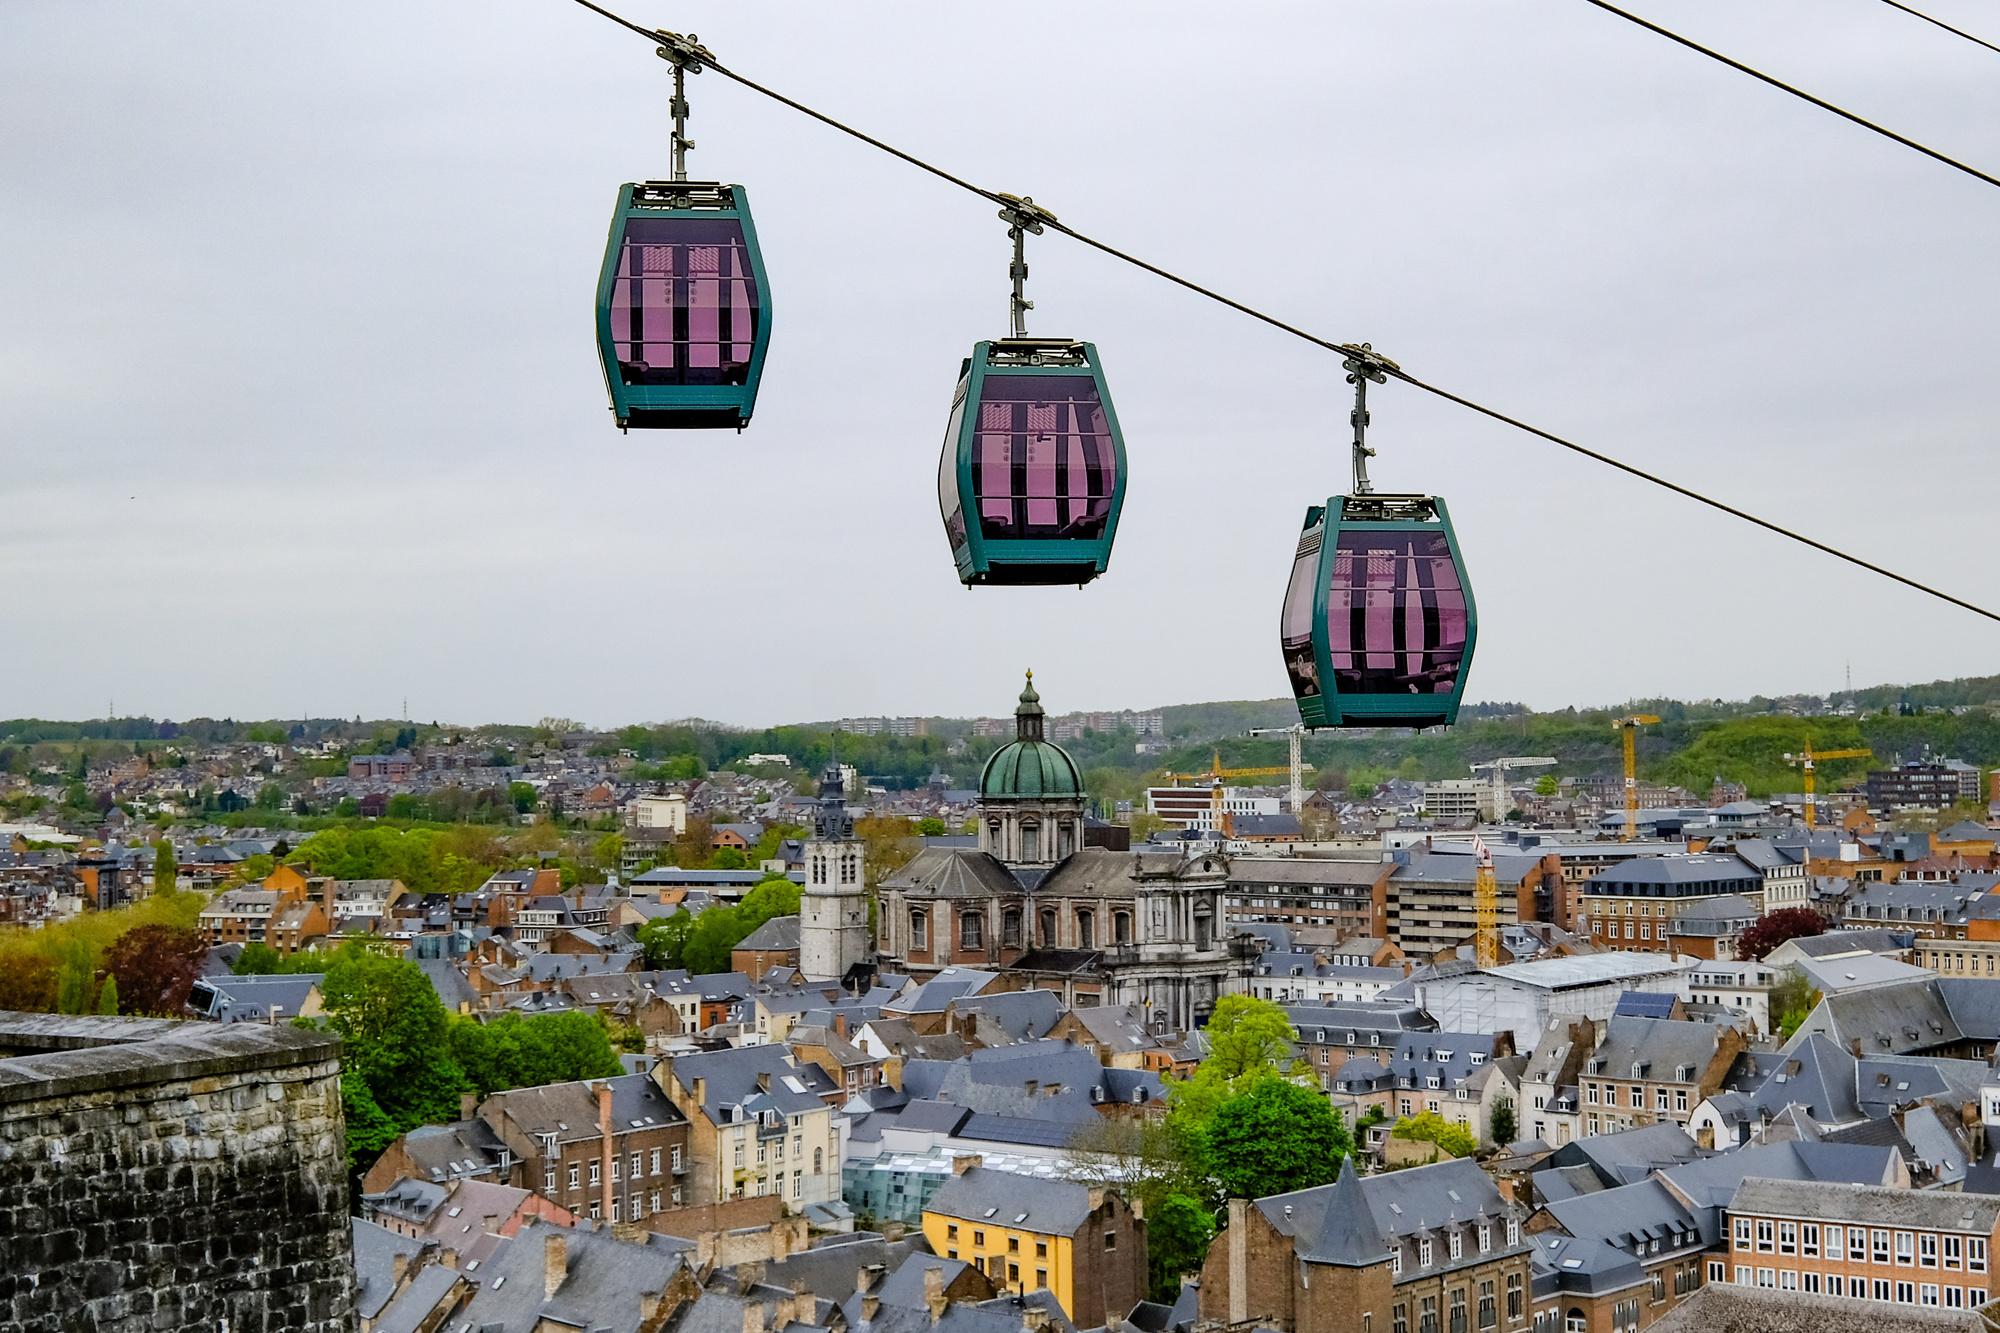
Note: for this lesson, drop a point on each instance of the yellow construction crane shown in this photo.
(1485, 907)
(1215, 777)
(1628, 727)
(1804, 763)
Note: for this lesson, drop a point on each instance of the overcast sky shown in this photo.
(300, 411)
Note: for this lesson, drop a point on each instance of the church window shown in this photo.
(1031, 841)
(1049, 928)
(971, 931)
(920, 936)
(1121, 927)
(1086, 929)
(1010, 928)
(1065, 840)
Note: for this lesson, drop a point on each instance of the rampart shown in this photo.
(160, 1176)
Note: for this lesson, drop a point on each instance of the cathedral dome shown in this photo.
(1029, 767)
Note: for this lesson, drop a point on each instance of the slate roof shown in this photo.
(953, 872)
(1701, 873)
(1025, 1015)
(1029, 1203)
(375, 1248)
(569, 1110)
(1877, 1205)
(1727, 1308)
(460, 1148)
(1611, 1235)
(779, 933)
(1630, 1155)
(1362, 1018)
(1659, 1048)
(1354, 1221)
(601, 1289)
(732, 1089)
(250, 999)
(1305, 870)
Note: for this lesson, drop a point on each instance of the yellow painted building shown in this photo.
(1082, 1244)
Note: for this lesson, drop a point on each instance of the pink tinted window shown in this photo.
(684, 305)
(1043, 462)
(1296, 625)
(1396, 617)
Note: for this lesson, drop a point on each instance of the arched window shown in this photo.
(971, 931)
(920, 935)
(819, 1161)
(1048, 927)
(1010, 928)
(1086, 929)
(1121, 927)
(1031, 841)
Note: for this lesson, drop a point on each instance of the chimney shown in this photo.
(329, 900)
(753, 1317)
(1034, 1318)
(555, 1263)
(840, 1025)
(870, 1307)
(607, 1132)
(649, 1306)
(964, 1162)
(749, 1275)
(934, 1300)
(399, 1268)
(865, 1278)
(700, 1091)
(468, 1105)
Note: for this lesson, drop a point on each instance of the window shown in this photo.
(1809, 1240)
(573, 1175)
(1457, 1245)
(1881, 1289)
(1906, 1293)
(1110, 1241)
(1927, 1249)
(617, 1169)
(1836, 1285)
(971, 931)
(1513, 1231)
(1835, 1242)
(951, 1231)
(1121, 927)
(1906, 1249)
(798, 1184)
(594, 1213)
(920, 930)
(1788, 1279)
(656, 1166)
(1975, 1256)
(1458, 1310)
(1764, 1234)
(1041, 1249)
(978, 1239)
(1743, 1275)
(1879, 1245)
(1788, 1238)
(1013, 1244)
(1485, 1237)
(1514, 1297)
(1659, 1099)
(1424, 1252)
(1717, 1272)
(1953, 1251)
(1010, 928)
(1590, 1093)
(1857, 1245)
(1767, 1277)
(1638, 1098)
(1399, 1319)
(1927, 1294)
(1659, 1287)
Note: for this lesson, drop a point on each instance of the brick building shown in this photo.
(614, 1149)
(1431, 1249)
(1082, 1243)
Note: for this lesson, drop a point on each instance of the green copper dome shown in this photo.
(1030, 768)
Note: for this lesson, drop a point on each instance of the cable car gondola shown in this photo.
(683, 307)
(1379, 622)
(1032, 474)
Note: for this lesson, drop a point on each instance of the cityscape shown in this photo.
(933, 731)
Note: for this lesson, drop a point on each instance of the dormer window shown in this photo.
(1457, 1245)
(1485, 1237)
(1424, 1252)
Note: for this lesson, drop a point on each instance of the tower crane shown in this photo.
(1628, 728)
(1216, 775)
(1804, 762)
(1485, 907)
(1501, 768)
(1295, 734)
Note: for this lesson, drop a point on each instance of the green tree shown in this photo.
(166, 874)
(1275, 1137)
(665, 940)
(1179, 1230)
(1248, 1038)
(76, 977)
(397, 1039)
(1792, 999)
(107, 996)
(930, 826)
(1430, 1127)
(257, 959)
(1504, 1126)
(729, 858)
(523, 795)
(514, 1051)
(1547, 785)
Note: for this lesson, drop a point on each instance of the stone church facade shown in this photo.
(1101, 926)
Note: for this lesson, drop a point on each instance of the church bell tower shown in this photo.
(833, 906)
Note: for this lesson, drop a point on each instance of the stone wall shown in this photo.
(163, 1176)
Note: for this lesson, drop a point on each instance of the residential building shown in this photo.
(1331, 1035)
(1459, 802)
(757, 1125)
(1431, 1249)
(1083, 1243)
(1738, 986)
(1522, 997)
(1924, 786)
(1194, 807)
(614, 1150)
(1914, 1249)
(1710, 927)
(1645, 1070)
(1633, 906)
(668, 811)
(1350, 897)
(1298, 977)
(1433, 901)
